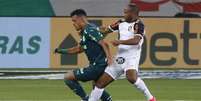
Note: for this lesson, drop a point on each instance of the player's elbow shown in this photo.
(106, 44)
(136, 40)
(136, 43)
(103, 43)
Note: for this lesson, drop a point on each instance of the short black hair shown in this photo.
(78, 12)
(134, 8)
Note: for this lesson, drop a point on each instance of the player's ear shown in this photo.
(83, 18)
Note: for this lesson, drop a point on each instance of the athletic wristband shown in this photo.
(63, 51)
(111, 29)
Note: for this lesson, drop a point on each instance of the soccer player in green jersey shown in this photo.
(96, 50)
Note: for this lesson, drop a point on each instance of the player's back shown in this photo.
(90, 37)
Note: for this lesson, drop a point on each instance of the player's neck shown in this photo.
(133, 19)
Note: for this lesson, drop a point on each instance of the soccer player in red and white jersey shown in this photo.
(131, 36)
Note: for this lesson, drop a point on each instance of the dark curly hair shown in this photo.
(78, 12)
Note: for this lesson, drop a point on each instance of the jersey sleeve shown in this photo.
(95, 35)
(139, 29)
(115, 26)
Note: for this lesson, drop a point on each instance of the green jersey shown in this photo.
(90, 37)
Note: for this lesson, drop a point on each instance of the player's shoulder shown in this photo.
(139, 22)
(139, 27)
(91, 28)
(121, 21)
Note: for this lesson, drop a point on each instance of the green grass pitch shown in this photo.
(121, 90)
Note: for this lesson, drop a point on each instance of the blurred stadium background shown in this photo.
(30, 30)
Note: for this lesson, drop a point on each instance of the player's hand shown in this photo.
(56, 50)
(115, 42)
(109, 60)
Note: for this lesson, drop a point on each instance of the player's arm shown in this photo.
(139, 33)
(73, 50)
(107, 50)
(133, 41)
(111, 28)
(105, 30)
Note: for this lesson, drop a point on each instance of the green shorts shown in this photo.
(92, 72)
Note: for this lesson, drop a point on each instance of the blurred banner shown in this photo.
(64, 35)
(24, 8)
(30, 42)
(170, 8)
(154, 5)
(170, 42)
(24, 42)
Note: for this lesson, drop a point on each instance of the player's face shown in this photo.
(128, 14)
(77, 22)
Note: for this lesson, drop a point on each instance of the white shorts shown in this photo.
(121, 65)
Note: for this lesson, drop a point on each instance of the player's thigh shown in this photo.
(132, 63)
(114, 71)
(69, 76)
(104, 80)
(131, 69)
